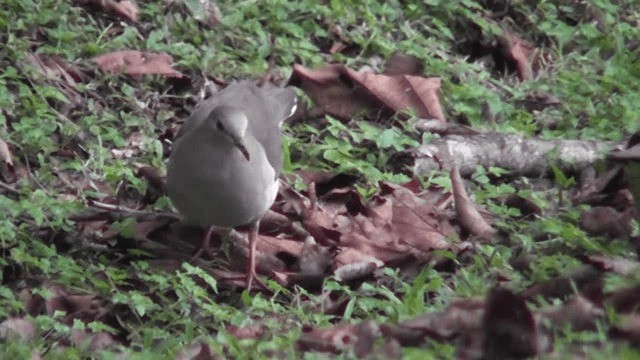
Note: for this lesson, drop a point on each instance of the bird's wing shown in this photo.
(273, 106)
(283, 101)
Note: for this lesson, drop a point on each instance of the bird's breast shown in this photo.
(219, 186)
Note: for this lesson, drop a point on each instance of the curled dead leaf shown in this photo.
(314, 259)
(466, 211)
(198, 351)
(526, 206)
(520, 52)
(337, 47)
(618, 265)
(358, 338)
(579, 313)
(341, 92)
(247, 332)
(539, 100)
(510, 330)
(153, 176)
(56, 67)
(17, 328)
(331, 92)
(136, 63)
(403, 64)
(355, 271)
(564, 285)
(94, 341)
(401, 92)
(124, 8)
(459, 317)
(604, 220)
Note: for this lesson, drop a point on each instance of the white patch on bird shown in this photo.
(294, 107)
(271, 192)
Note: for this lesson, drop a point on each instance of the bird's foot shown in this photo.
(251, 277)
(249, 280)
(199, 253)
(205, 246)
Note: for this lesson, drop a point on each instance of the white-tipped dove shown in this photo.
(224, 166)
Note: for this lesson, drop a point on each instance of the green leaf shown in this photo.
(414, 298)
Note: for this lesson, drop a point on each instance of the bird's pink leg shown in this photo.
(251, 274)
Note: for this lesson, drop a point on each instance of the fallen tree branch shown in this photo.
(520, 155)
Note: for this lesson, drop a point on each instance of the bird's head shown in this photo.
(231, 124)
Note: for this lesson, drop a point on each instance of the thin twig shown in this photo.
(9, 188)
(130, 211)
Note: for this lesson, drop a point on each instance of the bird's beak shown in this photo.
(243, 149)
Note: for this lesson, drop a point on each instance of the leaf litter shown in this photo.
(137, 63)
(332, 230)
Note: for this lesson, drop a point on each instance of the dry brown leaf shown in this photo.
(396, 222)
(627, 328)
(618, 265)
(356, 270)
(76, 182)
(604, 220)
(17, 328)
(509, 328)
(341, 92)
(273, 245)
(526, 206)
(314, 259)
(540, 100)
(593, 191)
(349, 255)
(55, 67)
(83, 307)
(93, 341)
(124, 8)
(461, 316)
(337, 47)
(624, 300)
(518, 51)
(402, 92)
(358, 338)
(403, 64)
(247, 332)
(525, 56)
(564, 285)
(331, 91)
(415, 219)
(579, 313)
(136, 63)
(368, 231)
(141, 229)
(199, 351)
(154, 176)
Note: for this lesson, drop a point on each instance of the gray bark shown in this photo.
(520, 155)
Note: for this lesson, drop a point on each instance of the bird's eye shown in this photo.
(219, 126)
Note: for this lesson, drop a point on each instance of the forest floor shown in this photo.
(365, 253)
